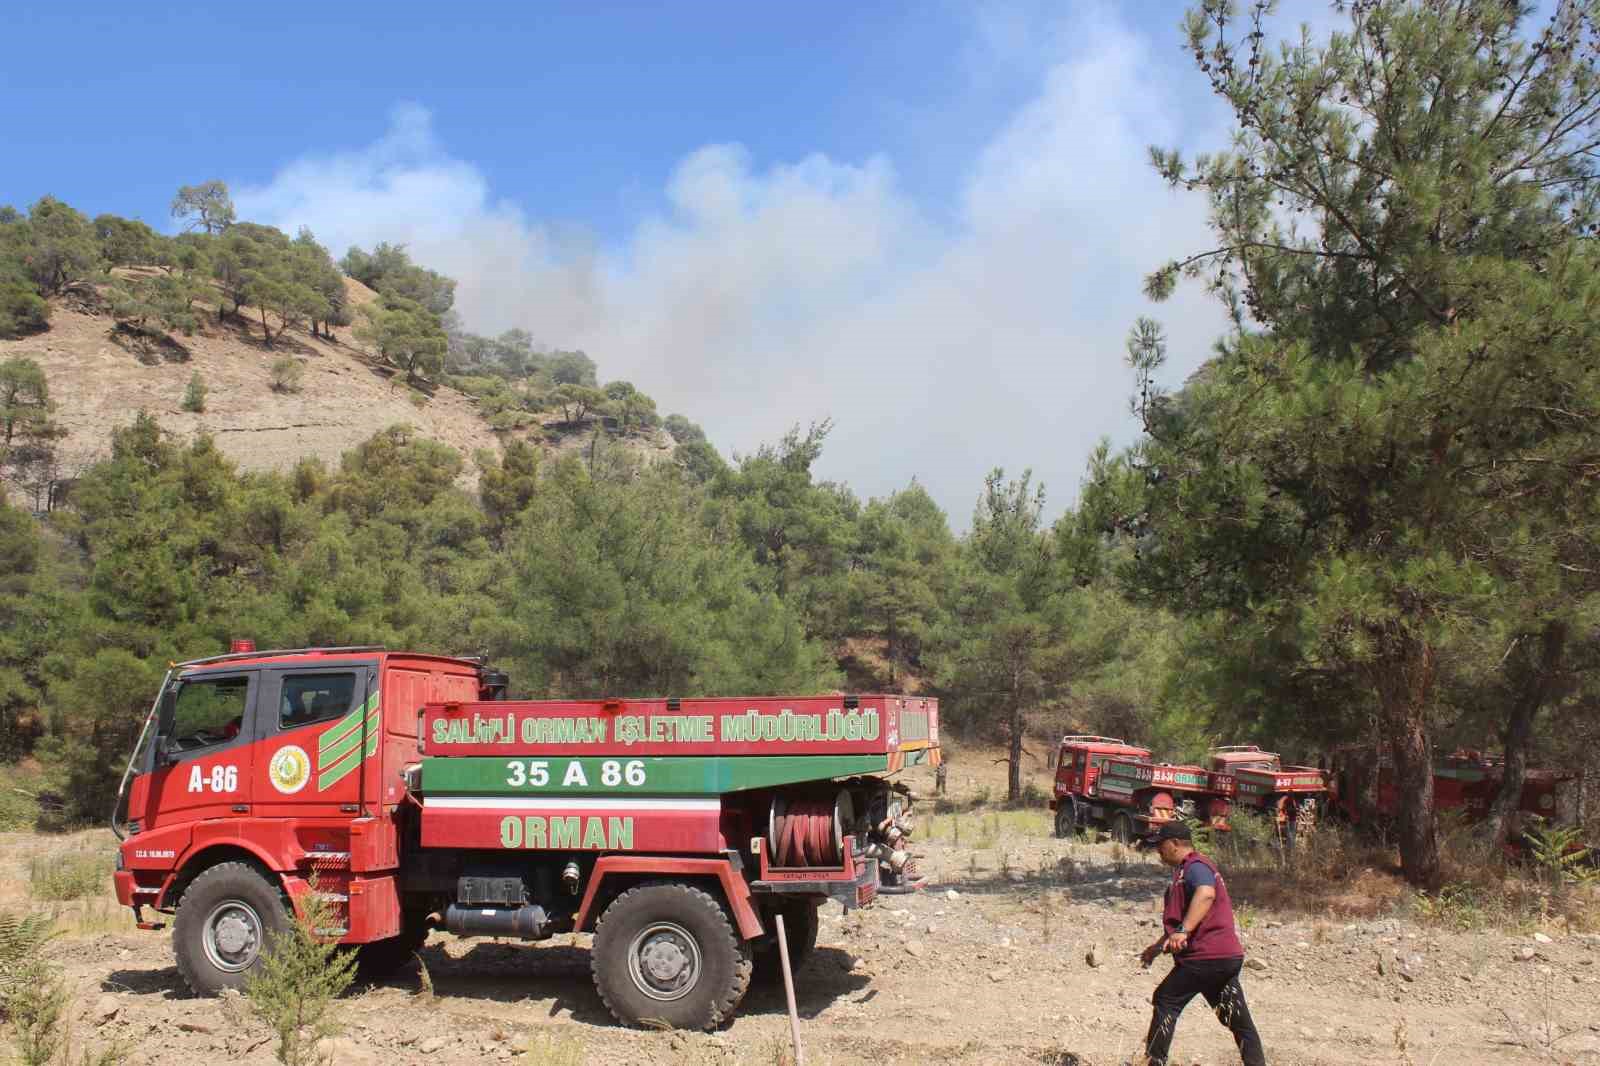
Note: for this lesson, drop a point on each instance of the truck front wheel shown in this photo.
(226, 919)
(1066, 817)
(667, 955)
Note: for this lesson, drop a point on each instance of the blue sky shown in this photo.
(577, 111)
(927, 221)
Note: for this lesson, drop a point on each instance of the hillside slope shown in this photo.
(345, 394)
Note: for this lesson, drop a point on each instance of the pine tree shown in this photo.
(1393, 451)
(194, 397)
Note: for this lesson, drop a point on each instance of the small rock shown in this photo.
(1540, 938)
(916, 950)
(931, 928)
(1096, 956)
(1381, 968)
(952, 894)
(124, 954)
(105, 1009)
(1255, 963)
(1301, 944)
(1005, 941)
(1523, 954)
(999, 975)
(1406, 974)
(433, 1045)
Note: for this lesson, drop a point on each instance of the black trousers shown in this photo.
(1218, 981)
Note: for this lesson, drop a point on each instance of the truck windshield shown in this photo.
(208, 711)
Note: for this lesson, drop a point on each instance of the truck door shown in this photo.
(203, 765)
(319, 728)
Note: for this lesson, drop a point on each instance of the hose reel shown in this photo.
(810, 830)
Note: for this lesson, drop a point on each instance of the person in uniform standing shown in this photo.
(1198, 932)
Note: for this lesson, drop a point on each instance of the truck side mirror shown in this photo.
(166, 750)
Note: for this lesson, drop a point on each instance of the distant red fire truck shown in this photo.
(1107, 783)
(1465, 781)
(1290, 795)
(407, 793)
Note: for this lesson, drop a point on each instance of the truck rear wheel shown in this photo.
(800, 922)
(1122, 830)
(667, 955)
(227, 918)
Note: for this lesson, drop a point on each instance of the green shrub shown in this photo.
(1558, 853)
(19, 810)
(286, 374)
(1458, 907)
(301, 977)
(36, 1014)
(22, 937)
(22, 311)
(194, 397)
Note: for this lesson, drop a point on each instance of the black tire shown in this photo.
(1066, 824)
(800, 922)
(226, 920)
(385, 958)
(1122, 830)
(679, 926)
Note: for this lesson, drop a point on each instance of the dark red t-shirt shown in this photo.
(1215, 937)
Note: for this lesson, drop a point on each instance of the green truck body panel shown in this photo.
(646, 776)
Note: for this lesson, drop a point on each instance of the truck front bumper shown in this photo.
(853, 885)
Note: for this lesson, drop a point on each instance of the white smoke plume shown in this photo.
(941, 342)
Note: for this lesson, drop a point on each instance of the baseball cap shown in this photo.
(1176, 829)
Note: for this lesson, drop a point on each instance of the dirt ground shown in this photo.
(986, 965)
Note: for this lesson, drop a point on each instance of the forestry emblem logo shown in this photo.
(290, 769)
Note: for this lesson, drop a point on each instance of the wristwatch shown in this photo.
(1182, 930)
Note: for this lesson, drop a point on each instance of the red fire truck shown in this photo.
(1464, 781)
(1289, 795)
(410, 795)
(1104, 782)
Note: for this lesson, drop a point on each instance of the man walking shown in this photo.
(1197, 922)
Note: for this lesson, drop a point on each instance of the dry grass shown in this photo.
(70, 874)
(553, 1049)
(1331, 873)
(65, 877)
(1336, 873)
